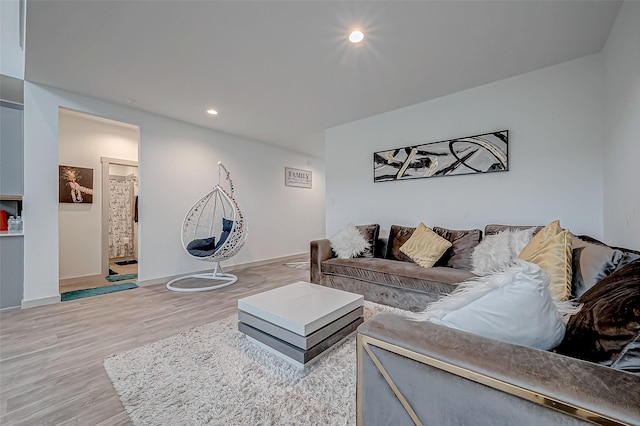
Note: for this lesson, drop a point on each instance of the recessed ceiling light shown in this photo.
(212, 111)
(356, 36)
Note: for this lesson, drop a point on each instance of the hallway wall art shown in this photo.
(75, 184)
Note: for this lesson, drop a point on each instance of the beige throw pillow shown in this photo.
(552, 250)
(425, 247)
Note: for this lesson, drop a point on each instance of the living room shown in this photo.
(572, 125)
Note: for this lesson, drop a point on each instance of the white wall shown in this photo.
(82, 141)
(11, 54)
(183, 162)
(622, 131)
(177, 165)
(554, 118)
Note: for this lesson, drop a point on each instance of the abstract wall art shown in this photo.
(484, 153)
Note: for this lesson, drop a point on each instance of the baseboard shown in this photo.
(163, 280)
(264, 262)
(10, 308)
(26, 304)
(83, 278)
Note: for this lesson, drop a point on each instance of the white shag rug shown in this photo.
(212, 375)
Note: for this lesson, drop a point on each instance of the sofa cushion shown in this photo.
(202, 247)
(392, 273)
(462, 244)
(592, 262)
(425, 247)
(370, 234)
(513, 306)
(227, 226)
(607, 328)
(551, 249)
(398, 235)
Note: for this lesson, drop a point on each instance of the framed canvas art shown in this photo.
(75, 184)
(484, 153)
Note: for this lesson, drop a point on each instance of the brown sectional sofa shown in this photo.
(440, 376)
(422, 373)
(390, 277)
(396, 283)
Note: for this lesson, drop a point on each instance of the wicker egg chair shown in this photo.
(213, 230)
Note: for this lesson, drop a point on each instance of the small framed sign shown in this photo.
(297, 177)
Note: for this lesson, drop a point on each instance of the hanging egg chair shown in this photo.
(213, 230)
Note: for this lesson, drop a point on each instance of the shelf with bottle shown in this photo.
(11, 234)
(10, 216)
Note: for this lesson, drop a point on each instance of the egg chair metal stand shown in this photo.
(213, 230)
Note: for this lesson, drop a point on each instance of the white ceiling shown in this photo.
(283, 72)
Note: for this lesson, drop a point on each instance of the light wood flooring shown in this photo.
(51, 357)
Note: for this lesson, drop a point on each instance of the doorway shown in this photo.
(119, 217)
(98, 148)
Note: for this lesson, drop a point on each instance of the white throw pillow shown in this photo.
(348, 243)
(497, 252)
(514, 306)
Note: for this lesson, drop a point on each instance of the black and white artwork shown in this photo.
(473, 154)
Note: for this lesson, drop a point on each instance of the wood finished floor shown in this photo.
(51, 357)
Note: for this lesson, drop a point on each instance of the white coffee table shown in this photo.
(300, 321)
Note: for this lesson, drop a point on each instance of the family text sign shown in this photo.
(297, 177)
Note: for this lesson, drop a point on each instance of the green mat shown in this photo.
(118, 277)
(88, 292)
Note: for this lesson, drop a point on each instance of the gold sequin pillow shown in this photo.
(425, 247)
(551, 249)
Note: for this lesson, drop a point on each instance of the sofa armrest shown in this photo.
(433, 367)
(320, 251)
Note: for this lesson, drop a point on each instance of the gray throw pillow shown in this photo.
(628, 256)
(398, 235)
(370, 234)
(463, 242)
(592, 263)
